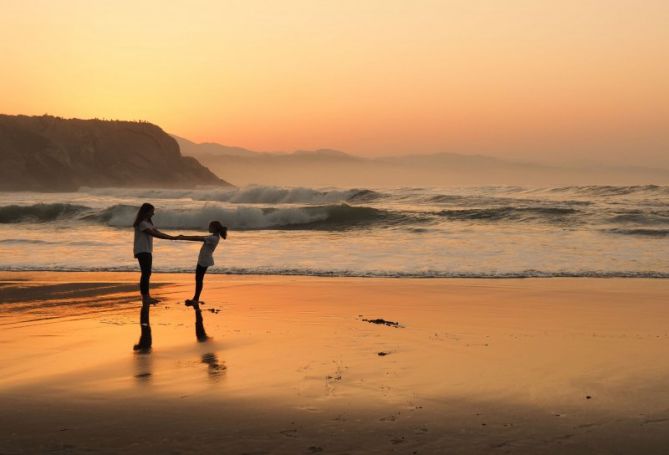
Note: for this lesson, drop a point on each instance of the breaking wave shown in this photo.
(641, 232)
(553, 214)
(338, 216)
(40, 213)
(254, 194)
(325, 217)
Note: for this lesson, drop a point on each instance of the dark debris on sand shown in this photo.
(380, 321)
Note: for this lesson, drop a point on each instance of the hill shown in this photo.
(45, 153)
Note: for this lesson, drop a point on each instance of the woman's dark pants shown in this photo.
(145, 263)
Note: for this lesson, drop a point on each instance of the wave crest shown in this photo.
(553, 214)
(41, 213)
(325, 217)
(641, 232)
(641, 217)
(610, 190)
(254, 194)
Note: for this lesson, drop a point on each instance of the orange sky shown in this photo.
(545, 80)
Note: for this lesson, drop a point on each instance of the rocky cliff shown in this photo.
(53, 154)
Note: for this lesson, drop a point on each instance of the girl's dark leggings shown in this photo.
(199, 278)
(145, 263)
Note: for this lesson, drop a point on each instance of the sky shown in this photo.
(571, 80)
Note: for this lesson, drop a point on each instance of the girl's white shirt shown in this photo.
(206, 257)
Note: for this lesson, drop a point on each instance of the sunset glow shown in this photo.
(587, 79)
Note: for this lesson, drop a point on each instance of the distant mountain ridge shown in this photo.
(326, 167)
(212, 149)
(46, 153)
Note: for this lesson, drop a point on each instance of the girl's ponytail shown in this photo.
(219, 228)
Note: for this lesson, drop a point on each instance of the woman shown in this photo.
(145, 231)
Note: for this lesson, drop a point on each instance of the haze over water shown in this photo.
(399, 232)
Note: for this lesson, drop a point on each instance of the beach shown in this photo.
(303, 365)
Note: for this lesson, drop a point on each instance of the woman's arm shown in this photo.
(156, 233)
(192, 238)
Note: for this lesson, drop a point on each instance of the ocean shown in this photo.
(478, 232)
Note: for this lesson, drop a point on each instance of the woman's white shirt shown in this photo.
(143, 240)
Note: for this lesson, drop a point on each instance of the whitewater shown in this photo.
(491, 232)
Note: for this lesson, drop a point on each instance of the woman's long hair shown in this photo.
(143, 214)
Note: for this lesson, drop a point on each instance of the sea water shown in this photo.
(492, 231)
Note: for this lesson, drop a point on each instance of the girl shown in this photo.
(206, 257)
(145, 231)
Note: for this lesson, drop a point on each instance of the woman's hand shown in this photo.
(160, 235)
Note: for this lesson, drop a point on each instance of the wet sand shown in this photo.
(291, 366)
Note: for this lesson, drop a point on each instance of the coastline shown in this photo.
(251, 273)
(293, 367)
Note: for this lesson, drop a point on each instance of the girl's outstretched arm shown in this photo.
(192, 238)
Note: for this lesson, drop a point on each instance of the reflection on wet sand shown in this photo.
(200, 333)
(144, 363)
(143, 368)
(215, 368)
(145, 339)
